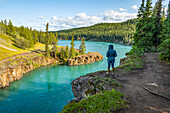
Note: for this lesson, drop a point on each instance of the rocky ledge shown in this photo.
(91, 84)
(85, 59)
(13, 69)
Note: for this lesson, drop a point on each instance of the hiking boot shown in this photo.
(108, 71)
(113, 70)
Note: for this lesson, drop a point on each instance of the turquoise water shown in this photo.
(48, 89)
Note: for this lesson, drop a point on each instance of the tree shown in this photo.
(55, 43)
(35, 36)
(141, 10)
(10, 29)
(47, 42)
(82, 46)
(67, 51)
(5, 26)
(72, 51)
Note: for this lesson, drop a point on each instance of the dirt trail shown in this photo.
(8, 48)
(13, 57)
(156, 77)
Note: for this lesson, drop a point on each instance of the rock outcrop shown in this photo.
(13, 69)
(91, 84)
(85, 59)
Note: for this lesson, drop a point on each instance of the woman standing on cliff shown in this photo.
(111, 54)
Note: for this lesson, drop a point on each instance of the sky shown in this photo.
(66, 14)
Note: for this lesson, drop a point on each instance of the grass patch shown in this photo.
(5, 53)
(131, 63)
(104, 102)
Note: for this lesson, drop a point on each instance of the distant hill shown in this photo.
(106, 32)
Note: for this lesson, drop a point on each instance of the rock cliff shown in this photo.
(13, 69)
(91, 84)
(85, 59)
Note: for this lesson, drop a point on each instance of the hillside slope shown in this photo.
(106, 32)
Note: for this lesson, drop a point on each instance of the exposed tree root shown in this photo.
(155, 93)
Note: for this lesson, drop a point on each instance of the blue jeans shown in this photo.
(111, 62)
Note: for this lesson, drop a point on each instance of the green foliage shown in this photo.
(82, 46)
(165, 48)
(21, 42)
(131, 63)
(103, 102)
(149, 28)
(67, 51)
(106, 32)
(72, 50)
(47, 42)
(135, 51)
(32, 36)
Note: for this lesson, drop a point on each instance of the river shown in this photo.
(48, 89)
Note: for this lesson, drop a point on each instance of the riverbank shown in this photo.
(13, 68)
(138, 84)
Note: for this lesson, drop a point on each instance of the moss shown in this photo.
(105, 102)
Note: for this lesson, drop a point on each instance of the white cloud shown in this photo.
(121, 9)
(79, 20)
(134, 7)
(115, 16)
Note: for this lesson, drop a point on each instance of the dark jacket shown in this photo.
(111, 54)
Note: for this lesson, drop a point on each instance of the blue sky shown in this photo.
(65, 14)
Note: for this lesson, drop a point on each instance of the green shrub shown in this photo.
(103, 102)
(135, 51)
(165, 48)
(21, 42)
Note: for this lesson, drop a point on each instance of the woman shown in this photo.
(111, 54)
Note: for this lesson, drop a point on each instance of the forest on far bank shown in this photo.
(105, 32)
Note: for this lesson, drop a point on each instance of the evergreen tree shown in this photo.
(10, 29)
(28, 36)
(141, 10)
(5, 26)
(82, 46)
(55, 43)
(62, 54)
(47, 42)
(35, 36)
(67, 51)
(72, 50)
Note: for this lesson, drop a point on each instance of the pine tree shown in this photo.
(47, 42)
(10, 29)
(5, 26)
(72, 51)
(35, 36)
(141, 10)
(55, 43)
(67, 51)
(82, 46)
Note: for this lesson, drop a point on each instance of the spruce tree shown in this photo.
(55, 43)
(72, 50)
(47, 42)
(165, 38)
(67, 51)
(10, 29)
(82, 46)
(5, 26)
